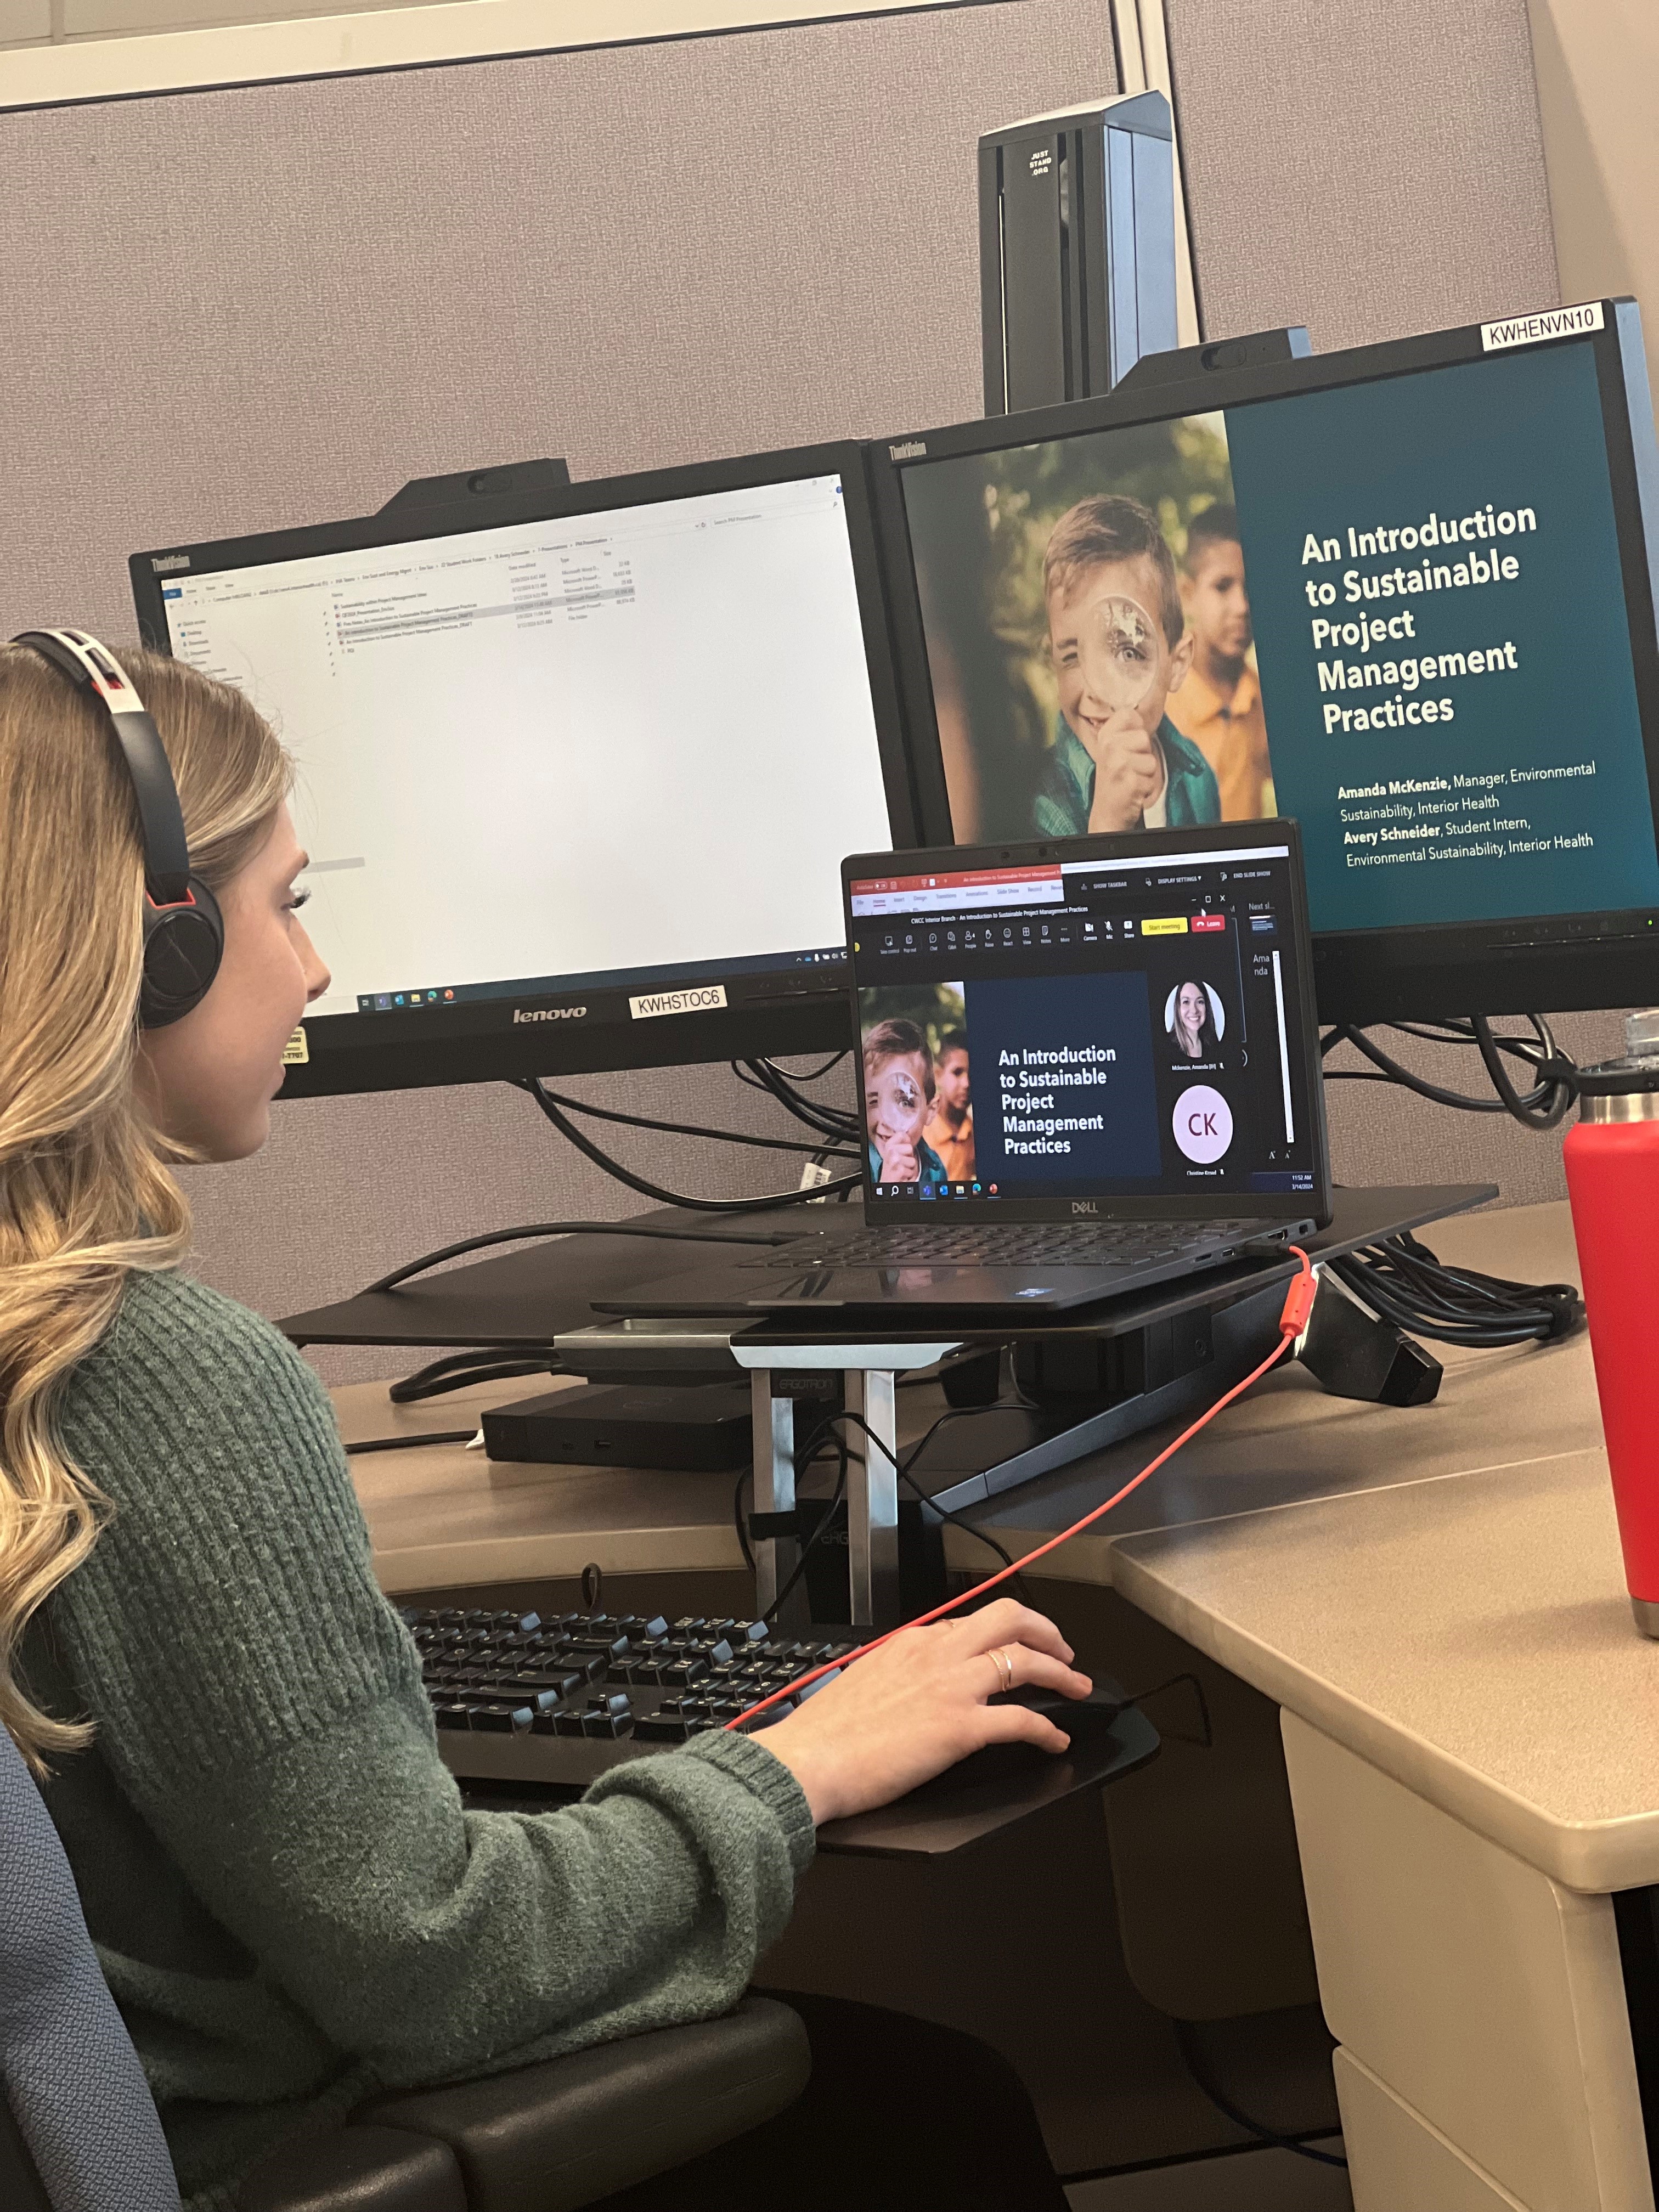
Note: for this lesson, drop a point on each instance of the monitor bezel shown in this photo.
(1143, 848)
(1549, 964)
(408, 1050)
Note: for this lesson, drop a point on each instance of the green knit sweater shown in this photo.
(290, 1903)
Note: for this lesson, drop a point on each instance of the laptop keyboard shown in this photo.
(1001, 1244)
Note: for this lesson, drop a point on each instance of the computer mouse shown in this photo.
(1098, 1710)
(1084, 1720)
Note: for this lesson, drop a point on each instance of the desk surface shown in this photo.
(1437, 1586)
(1456, 1613)
(442, 1516)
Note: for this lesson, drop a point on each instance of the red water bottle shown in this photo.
(1612, 1156)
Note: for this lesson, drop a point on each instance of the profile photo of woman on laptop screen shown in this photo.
(1194, 1019)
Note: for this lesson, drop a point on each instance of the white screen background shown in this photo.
(609, 741)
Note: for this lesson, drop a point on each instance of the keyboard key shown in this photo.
(502, 1719)
(660, 1728)
(539, 1701)
(608, 1717)
(564, 1679)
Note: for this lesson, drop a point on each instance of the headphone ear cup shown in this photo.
(183, 947)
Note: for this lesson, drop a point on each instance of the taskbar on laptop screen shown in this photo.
(1041, 1034)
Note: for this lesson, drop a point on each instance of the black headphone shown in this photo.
(183, 929)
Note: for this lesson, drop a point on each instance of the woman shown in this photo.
(1192, 1018)
(227, 1716)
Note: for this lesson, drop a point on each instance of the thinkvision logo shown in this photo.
(165, 564)
(548, 1013)
(914, 449)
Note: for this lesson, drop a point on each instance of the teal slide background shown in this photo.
(1521, 429)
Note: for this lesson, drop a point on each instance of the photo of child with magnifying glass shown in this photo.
(1118, 639)
(898, 1098)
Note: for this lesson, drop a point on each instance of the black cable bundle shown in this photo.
(839, 1126)
(1543, 1104)
(839, 1123)
(1402, 1279)
(828, 1432)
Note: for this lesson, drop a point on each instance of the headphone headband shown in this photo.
(184, 931)
(93, 667)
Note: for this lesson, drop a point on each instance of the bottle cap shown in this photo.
(1635, 1076)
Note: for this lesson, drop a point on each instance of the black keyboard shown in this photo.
(1073, 1244)
(594, 1680)
(531, 1710)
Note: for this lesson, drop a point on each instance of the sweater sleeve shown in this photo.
(261, 1704)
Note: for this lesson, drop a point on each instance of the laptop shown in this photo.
(1086, 1066)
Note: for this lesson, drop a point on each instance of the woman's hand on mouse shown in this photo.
(918, 1704)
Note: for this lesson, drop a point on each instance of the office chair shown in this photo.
(79, 2131)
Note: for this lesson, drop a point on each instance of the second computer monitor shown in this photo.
(1403, 593)
(576, 786)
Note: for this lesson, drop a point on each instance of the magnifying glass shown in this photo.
(1119, 650)
(907, 1096)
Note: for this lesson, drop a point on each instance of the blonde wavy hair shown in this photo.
(85, 1191)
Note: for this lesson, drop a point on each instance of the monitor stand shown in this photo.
(1197, 1338)
(1158, 1355)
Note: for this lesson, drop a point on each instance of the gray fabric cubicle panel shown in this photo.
(632, 257)
(1365, 170)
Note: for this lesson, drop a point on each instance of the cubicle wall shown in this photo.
(233, 310)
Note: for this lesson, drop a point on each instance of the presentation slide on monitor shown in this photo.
(1394, 611)
(614, 744)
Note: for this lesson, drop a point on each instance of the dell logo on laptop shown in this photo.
(1084, 1205)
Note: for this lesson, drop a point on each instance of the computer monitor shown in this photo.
(1403, 593)
(576, 786)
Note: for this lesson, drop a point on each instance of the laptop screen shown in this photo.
(1100, 1018)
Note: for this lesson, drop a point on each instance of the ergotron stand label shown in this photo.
(297, 1053)
(703, 998)
(1532, 330)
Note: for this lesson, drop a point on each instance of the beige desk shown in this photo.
(1433, 1598)
(443, 1516)
(1470, 1726)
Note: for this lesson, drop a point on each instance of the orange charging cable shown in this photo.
(1298, 1305)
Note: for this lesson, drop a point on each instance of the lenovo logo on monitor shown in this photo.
(548, 1014)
